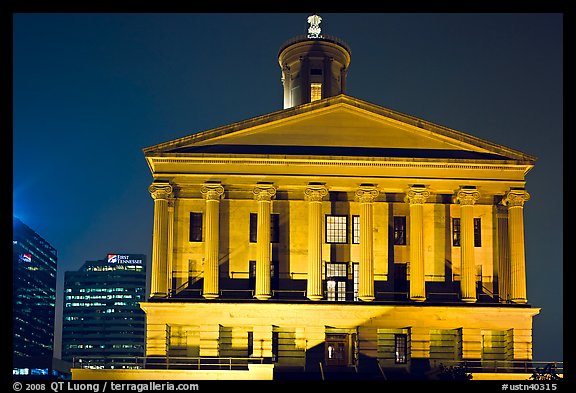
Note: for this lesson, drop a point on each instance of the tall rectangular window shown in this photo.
(399, 230)
(250, 343)
(336, 277)
(356, 279)
(336, 229)
(274, 228)
(195, 227)
(456, 232)
(400, 348)
(315, 91)
(355, 229)
(273, 275)
(477, 232)
(274, 347)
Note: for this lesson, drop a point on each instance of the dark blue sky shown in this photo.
(92, 90)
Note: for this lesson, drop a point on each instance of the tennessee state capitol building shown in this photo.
(337, 233)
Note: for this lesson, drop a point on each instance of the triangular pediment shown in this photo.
(339, 126)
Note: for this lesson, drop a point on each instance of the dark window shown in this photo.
(456, 232)
(250, 343)
(399, 230)
(316, 71)
(355, 229)
(336, 229)
(274, 228)
(253, 227)
(477, 233)
(336, 277)
(400, 348)
(274, 346)
(273, 275)
(195, 227)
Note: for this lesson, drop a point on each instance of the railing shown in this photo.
(324, 37)
(499, 366)
(166, 362)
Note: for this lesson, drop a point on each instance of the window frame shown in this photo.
(457, 232)
(315, 91)
(194, 227)
(397, 230)
(355, 229)
(400, 344)
(274, 228)
(340, 294)
(336, 230)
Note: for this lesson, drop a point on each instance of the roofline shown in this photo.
(335, 100)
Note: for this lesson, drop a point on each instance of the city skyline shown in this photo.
(156, 77)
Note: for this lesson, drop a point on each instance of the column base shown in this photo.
(210, 296)
(519, 301)
(469, 299)
(315, 297)
(158, 295)
(366, 298)
(262, 297)
(418, 298)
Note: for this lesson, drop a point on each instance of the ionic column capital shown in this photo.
(212, 192)
(315, 193)
(417, 195)
(160, 190)
(367, 194)
(264, 192)
(467, 195)
(515, 197)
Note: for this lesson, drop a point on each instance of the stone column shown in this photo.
(212, 193)
(366, 196)
(263, 194)
(170, 248)
(314, 195)
(417, 196)
(515, 199)
(161, 193)
(503, 255)
(467, 196)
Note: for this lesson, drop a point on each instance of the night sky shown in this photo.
(90, 91)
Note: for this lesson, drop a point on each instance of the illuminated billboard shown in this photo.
(124, 259)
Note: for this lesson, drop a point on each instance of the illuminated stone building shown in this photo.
(336, 234)
(103, 325)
